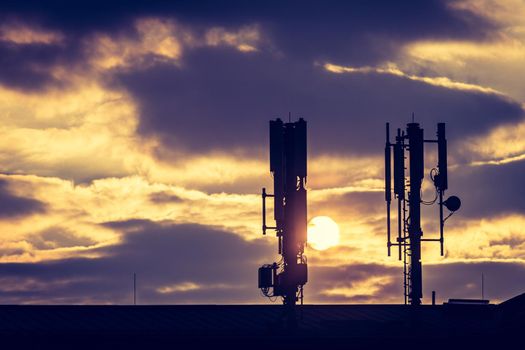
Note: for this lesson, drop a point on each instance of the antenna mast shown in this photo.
(410, 234)
(287, 277)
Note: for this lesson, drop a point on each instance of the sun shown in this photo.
(323, 233)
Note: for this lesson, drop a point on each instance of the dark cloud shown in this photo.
(13, 206)
(164, 198)
(224, 267)
(366, 32)
(29, 66)
(25, 65)
(58, 237)
(503, 280)
(489, 190)
(351, 204)
(161, 255)
(222, 99)
(323, 279)
(513, 241)
(357, 31)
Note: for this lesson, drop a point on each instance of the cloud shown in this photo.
(503, 280)
(392, 69)
(489, 190)
(27, 67)
(354, 283)
(171, 262)
(15, 206)
(153, 117)
(190, 263)
(184, 105)
(491, 237)
(494, 62)
(18, 33)
(57, 238)
(376, 283)
(503, 144)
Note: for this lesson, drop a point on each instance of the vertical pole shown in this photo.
(399, 228)
(482, 287)
(264, 211)
(134, 289)
(399, 183)
(415, 139)
(289, 247)
(433, 297)
(441, 223)
(406, 278)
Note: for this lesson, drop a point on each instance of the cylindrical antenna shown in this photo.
(388, 167)
(388, 183)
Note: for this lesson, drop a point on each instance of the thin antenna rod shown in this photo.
(482, 286)
(134, 288)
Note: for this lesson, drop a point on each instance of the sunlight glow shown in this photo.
(323, 233)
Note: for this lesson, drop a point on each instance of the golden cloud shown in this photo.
(23, 34)
(503, 144)
(392, 69)
(165, 39)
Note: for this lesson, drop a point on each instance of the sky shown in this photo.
(134, 139)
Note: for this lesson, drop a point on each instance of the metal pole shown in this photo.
(264, 211)
(415, 139)
(441, 223)
(482, 287)
(388, 184)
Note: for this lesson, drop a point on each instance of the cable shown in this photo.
(428, 202)
(432, 175)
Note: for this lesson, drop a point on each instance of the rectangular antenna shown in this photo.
(277, 168)
(300, 160)
(416, 151)
(300, 147)
(388, 166)
(399, 167)
(442, 183)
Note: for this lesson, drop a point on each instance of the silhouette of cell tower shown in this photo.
(287, 277)
(410, 234)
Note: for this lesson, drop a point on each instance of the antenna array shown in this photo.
(287, 277)
(408, 195)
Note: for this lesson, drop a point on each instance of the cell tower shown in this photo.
(287, 277)
(409, 232)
